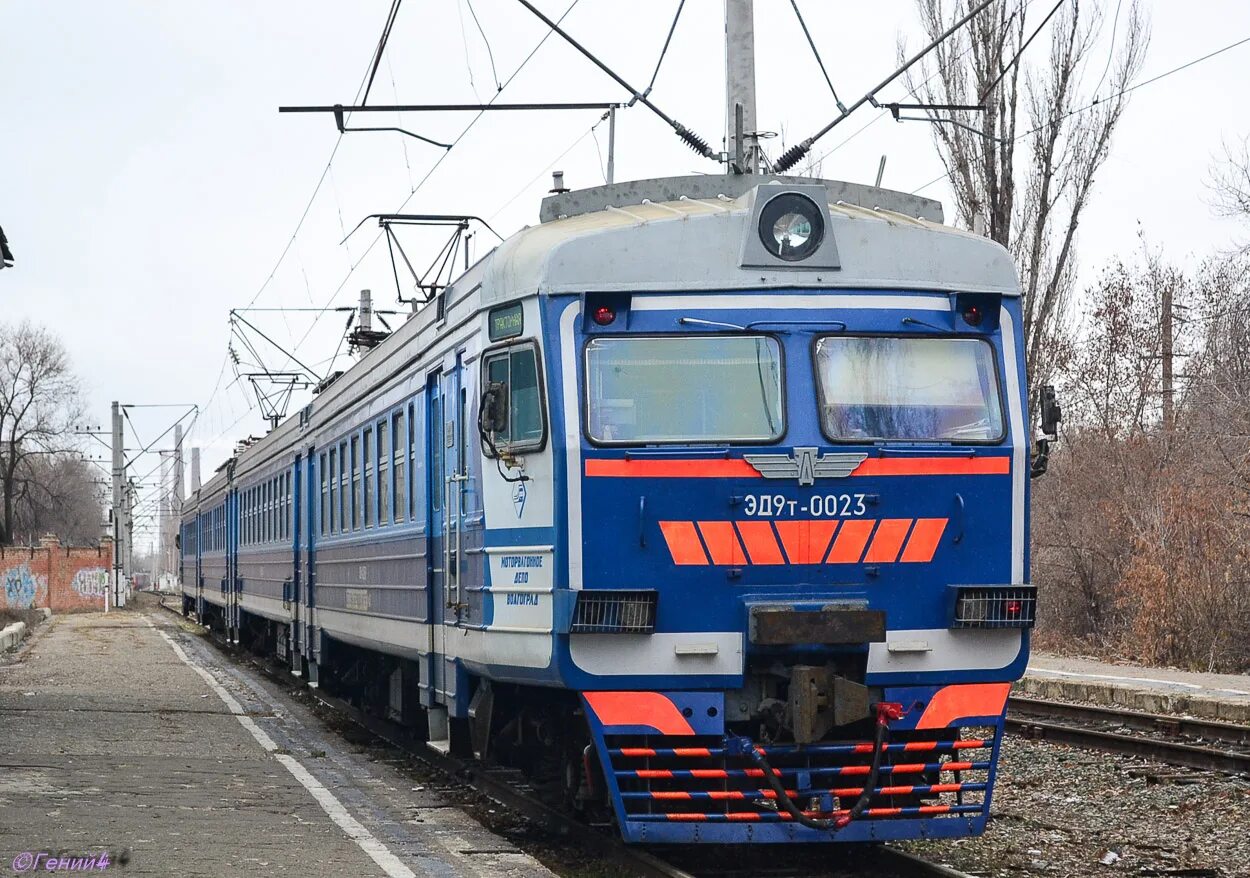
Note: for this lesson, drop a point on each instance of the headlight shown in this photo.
(791, 227)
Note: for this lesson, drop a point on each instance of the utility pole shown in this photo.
(1167, 357)
(119, 530)
(195, 469)
(743, 142)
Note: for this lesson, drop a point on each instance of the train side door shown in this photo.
(231, 511)
(436, 492)
(199, 567)
(309, 512)
(445, 466)
(296, 486)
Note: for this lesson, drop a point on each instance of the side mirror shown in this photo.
(177, 541)
(1051, 413)
(493, 416)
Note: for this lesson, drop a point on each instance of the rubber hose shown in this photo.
(832, 824)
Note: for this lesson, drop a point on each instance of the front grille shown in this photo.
(614, 612)
(980, 606)
(695, 779)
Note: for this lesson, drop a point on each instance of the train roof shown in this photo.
(653, 236)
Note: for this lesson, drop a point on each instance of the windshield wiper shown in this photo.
(696, 321)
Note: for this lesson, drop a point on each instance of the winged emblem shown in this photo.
(806, 465)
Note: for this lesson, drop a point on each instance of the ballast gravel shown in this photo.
(1065, 811)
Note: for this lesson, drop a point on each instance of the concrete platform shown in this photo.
(1157, 690)
(126, 733)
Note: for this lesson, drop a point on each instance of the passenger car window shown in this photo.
(690, 389)
(879, 388)
(516, 368)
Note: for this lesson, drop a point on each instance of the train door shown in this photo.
(296, 486)
(444, 466)
(436, 492)
(308, 515)
(199, 567)
(231, 530)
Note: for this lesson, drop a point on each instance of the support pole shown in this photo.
(611, 145)
(744, 157)
(119, 530)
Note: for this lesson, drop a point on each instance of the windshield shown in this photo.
(876, 388)
(684, 389)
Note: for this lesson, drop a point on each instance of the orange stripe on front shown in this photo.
(805, 542)
(761, 545)
(962, 701)
(887, 541)
(934, 466)
(852, 538)
(672, 469)
(683, 542)
(722, 543)
(649, 709)
(924, 539)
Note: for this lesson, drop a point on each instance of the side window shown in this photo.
(412, 461)
(398, 453)
(516, 369)
(436, 453)
(367, 464)
(384, 473)
(355, 483)
(333, 480)
(344, 504)
(325, 495)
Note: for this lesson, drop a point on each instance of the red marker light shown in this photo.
(603, 315)
(1014, 608)
(973, 316)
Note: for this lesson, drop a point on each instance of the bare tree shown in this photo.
(58, 494)
(40, 400)
(1230, 181)
(1027, 189)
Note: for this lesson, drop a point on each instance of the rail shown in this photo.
(1078, 725)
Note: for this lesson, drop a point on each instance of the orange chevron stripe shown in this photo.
(923, 541)
(887, 541)
(852, 538)
(683, 542)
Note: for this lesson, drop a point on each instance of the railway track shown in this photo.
(508, 787)
(1193, 743)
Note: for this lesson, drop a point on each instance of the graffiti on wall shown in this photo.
(92, 582)
(20, 587)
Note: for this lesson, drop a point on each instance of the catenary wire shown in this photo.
(803, 24)
(490, 53)
(664, 51)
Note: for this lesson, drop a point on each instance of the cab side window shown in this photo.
(515, 370)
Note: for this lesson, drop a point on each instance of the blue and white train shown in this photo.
(704, 501)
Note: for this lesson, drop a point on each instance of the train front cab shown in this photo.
(795, 518)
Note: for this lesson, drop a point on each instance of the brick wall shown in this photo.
(66, 579)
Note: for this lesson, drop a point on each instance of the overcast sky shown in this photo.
(148, 184)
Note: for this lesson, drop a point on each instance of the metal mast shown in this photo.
(119, 528)
(742, 140)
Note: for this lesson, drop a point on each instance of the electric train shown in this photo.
(704, 502)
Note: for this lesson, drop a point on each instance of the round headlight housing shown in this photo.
(791, 227)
